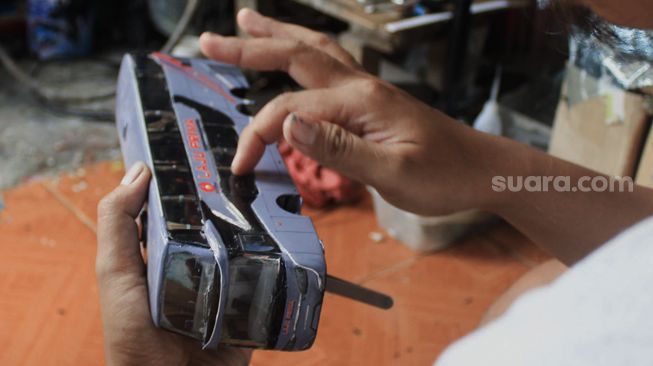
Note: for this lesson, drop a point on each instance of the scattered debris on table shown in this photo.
(79, 187)
(377, 236)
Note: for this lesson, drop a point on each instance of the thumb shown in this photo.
(334, 147)
(118, 247)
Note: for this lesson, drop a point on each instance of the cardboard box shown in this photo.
(645, 169)
(599, 125)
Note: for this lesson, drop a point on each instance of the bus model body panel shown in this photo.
(229, 259)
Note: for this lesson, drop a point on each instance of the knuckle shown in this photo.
(110, 205)
(239, 56)
(300, 47)
(281, 101)
(102, 270)
(284, 98)
(408, 163)
(106, 205)
(322, 40)
(371, 87)
(338, 143)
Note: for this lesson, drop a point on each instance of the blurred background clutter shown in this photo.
(507, 67)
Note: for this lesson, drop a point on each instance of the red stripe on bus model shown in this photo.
(208, 82)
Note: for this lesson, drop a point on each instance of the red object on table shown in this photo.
(318, 186)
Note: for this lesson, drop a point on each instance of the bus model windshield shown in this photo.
(255, 300)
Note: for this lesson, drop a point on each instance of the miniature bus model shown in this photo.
(229, 258)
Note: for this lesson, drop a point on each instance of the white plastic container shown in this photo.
(424, 233)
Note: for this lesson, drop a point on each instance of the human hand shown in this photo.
(130, 337)
(351, 121)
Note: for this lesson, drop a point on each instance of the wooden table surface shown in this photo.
(49, 313)
(388, 30)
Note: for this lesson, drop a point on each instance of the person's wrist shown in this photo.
(460, 170)
(487, 157)
(500, 158)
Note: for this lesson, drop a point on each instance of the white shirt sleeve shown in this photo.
(600, 312)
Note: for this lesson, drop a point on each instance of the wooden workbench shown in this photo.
(371, 34)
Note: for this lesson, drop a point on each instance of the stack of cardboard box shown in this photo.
(603, 127)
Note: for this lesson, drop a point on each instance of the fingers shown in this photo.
(266, 127)
(307, 65)
(118, 252)
(257, 25)
(334, 147)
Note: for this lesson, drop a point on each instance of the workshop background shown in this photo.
(506, 66)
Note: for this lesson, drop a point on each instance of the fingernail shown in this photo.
(247, 10)
(304, 132)
(235, 164)
(208, 36)
(255, 13)
(133, 173)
